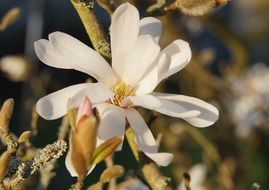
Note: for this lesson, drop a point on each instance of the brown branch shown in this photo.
(98, 38)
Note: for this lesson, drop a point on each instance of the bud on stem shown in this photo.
(83, 135)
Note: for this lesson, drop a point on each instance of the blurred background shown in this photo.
(229, 69)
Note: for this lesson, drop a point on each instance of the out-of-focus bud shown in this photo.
(9, 18)
(5, 114)
(15, 67)
(196, 7)
(111, 173)
(83, 136)
(4, 163)
(24, 137)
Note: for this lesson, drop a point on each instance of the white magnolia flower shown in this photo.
(249, 107)
(138, 66)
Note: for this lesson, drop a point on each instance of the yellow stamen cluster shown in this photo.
(121, 91)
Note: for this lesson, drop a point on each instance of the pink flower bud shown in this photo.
(84, 109)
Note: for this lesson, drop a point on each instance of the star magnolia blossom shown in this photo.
(138, 66)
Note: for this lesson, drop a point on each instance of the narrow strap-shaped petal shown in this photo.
(151, 77)
(64, 51)
(201, 114)
(95, 92)
(112, 122)
(176, 110)
(151, 26)
(171, 60)
(180, 55)
(161, 158)
(163, 106)
(124, 32)
(54, 105)
(138, 59)
(143, 136)
(146, 101)
(145, 140)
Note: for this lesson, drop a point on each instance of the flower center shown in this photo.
(121, 91)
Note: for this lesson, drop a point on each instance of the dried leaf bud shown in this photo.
(196, 7)
(24, 137)
(111, 173)
(4, 163)
(10, 17)
(72, 114)
(105, 149)
(5, 114)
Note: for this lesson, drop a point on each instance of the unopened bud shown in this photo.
(5, 114)
(24, 137)
(10, 17)
(112, 173)
(15, 67)
(82, 136)
(196, 7)
(4, 163)
(84, 109)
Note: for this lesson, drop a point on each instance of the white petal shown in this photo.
(151, 26)
(112, 122)
(64, 51)
(180, 54)
(198, 174)
(208, 113)
(138, 59)
(95, 92)
(145, 140)
(163, 106)
(54, 105)
(143, 136)
(124, 32)
(69, 165)
(146, 101)
(148, 82)
(151, 79)
(176, 110)
(162, 158)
